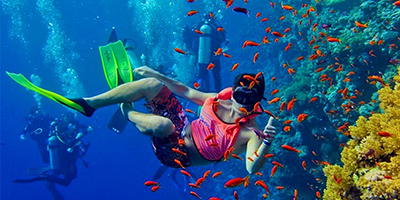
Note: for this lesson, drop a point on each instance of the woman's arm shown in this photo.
(175, 86)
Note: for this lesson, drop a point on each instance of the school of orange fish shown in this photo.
(318, 40)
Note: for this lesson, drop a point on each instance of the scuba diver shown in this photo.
(201, 48)
(37, 126)
(64, 147)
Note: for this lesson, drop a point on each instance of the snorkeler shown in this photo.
(65, 146)
(201, 48)
(226, 119)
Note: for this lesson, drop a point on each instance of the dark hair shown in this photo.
(258, 87)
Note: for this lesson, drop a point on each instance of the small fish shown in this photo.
(274, 100)
(179, 152)
(291, 71)
(234, 66)
(155, 188)
(255, 57)
(226, 55)
(331, 39)
(235, 194)
(185, 173)
(262, 184)
(150, 183)
(301, 117)
(179, 163)
(277, 34)
(273, 171)
(179, 51)
(241, 10)
(384, 134)
(276, 163)
(286, 128)
(199, 32)
(303, 164)
(192, 12)
(397, 3)
(218, 52)
(216, 174)
(313, 99)
(358, 24)
(236, 156)
(196, 85)
(264, 19)
(258, 14)
(210, 66)
(280, 187)
(290, 104)
(236, 181)
(274, 91)
(195, 194)
(287, 147)
(220, 29)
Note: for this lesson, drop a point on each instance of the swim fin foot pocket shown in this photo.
(88, 110)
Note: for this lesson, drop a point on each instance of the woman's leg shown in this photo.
(128, 92)
(148, 124)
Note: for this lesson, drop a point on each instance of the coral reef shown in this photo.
(371, 161)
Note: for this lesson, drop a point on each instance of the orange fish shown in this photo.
(276, 163)
(290, 104)
(262, 184)
(199, 32)
(179, 51)
(189, 111)
(274, 91)
(286, 30)
(397, 3)
(235, 194)
(226, 55)
(258, 14)
(179, 163)
(236, 181)
(210, 66)
(150, 183)
(258, 173)
(384, 134)
(185, 173)
(269, 113)
(331, 39)
(192, 12)
(211, 15)
(358, 24)
(280, 187)
(283, 104)
(216, 174)
(287, 121)
(288, 46)
(286, 128)
(200, 181)
(287, 147)
(277, 34)
(218, 52)
(195, 194)
(190, 1)
(179, 152)
(236, 156)
(250, 43)
(274, 100)
(196, 85)
(155, 188)
(301, 117)
(206, 173)
(273, 171)
(220, 29)
(303, 164)
(234, 66)
(273, 79)
(313, 99)
(264, 19)
(255, 57)
(300, 58)
(318, 70)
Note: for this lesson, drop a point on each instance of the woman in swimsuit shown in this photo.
(226, 122)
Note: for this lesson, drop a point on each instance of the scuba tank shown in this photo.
(135, 60)
(204, 56)
(204, 45)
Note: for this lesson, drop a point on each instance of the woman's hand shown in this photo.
(145, 71)
(269, 132)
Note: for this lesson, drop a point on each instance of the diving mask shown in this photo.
(245, 96)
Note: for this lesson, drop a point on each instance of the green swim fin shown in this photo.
(116, 65)
(76, 104)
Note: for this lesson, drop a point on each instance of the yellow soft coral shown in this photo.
(371, 162)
